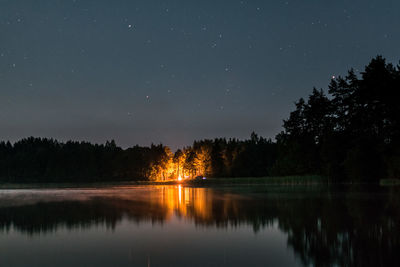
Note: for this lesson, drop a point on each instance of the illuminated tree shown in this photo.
(178, 161)
(202, 161)
(161, 167)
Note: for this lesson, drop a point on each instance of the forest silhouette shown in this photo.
(349, 134)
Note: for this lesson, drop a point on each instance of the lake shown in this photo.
(189, 226)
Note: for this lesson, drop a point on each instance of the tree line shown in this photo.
(47, 160)
(350, 134)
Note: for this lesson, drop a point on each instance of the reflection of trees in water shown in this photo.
(342, 228)
(345, 229)
(46, 217)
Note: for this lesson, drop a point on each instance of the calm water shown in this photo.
(181, 226)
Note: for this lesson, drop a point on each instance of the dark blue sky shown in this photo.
(174, 71)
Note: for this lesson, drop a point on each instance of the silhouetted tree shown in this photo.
(352, 134)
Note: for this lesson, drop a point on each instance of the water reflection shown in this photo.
(185, 202)
(324, 227)
(38, 211)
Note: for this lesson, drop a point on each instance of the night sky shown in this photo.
(174, 71)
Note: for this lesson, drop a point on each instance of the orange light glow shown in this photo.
(179, 178)
(186, 202)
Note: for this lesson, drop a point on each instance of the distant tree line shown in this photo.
(351, 134)
(227, 158)
(47, 160)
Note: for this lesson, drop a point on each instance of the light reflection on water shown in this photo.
(186, 226)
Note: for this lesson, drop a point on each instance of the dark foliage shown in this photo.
(353, 134)
(233, 158)
(47, 160)
(350, 134)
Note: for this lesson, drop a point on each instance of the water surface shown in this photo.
(186, 226)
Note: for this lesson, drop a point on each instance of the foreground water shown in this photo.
(182, 226)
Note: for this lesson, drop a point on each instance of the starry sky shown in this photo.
(174, 71)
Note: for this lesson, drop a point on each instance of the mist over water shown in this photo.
(188, 226)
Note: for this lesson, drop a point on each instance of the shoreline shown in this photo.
(275, 180)
(239, 181)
